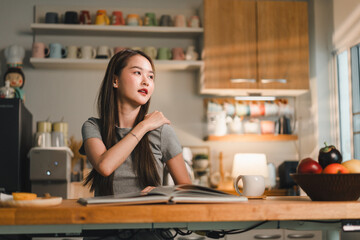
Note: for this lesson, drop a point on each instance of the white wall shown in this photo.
(71, 93)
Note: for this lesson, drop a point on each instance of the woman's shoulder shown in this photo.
(92, 121)
(165, 128)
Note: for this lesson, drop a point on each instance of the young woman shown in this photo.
(127, 147)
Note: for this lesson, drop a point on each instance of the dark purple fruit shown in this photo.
(328, 155)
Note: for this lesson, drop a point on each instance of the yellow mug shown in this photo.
(102, 18)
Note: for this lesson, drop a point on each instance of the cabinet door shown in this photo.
(283, 45)
(257, 234)
(229, 44)
(302, 235)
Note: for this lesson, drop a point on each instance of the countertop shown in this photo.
(272, 208)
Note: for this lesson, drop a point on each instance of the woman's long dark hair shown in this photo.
(144, 163)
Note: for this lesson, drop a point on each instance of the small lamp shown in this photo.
(249, 164)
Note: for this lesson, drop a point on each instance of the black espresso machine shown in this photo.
(16, 137)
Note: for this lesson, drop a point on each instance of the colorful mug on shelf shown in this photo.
(178, 54)
(180, 21)
(133, 20)
(85, 17)
(39, 50)
(57, 50)
(102, 18)
(117, 18)
(164, 53)
(150, 19)
(150, 51)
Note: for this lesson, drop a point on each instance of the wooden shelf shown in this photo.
(178, 32)
(252, 137)
(100, 64)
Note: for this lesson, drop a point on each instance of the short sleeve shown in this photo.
(170, 145)
(90, 129)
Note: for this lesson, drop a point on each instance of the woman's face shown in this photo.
(136, 82)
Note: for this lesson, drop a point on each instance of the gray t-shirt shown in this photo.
(163, 143)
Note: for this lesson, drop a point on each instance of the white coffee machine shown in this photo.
(50, 171)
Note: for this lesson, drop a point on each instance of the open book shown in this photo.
(186, 193)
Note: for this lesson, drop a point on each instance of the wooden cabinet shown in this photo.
(255, 48)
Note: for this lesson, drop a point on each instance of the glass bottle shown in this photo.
(7, 91)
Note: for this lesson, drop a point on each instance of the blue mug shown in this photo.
(57, 50)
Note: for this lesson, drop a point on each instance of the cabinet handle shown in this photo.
(273, 81)
(304, 235)
(264, 236)
(242, 80)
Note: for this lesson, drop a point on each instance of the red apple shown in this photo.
(335, 168)
(309, 165)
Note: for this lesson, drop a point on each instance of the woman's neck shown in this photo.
(127, 115)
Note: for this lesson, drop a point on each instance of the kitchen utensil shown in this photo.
(164, 53)
(71, 17)
(178, 54)
(150, 51)
(253, 185)
(51, 17)
(61, 127)
(283, 125)
(191, 54)
(85, 17)
(180, 20)
(57, 139)
(165, 20)
(102, 18)
(57, 50)
(39, 50)
(271, 179)
(329, 187)
(252, 126)
(150, 19)
(267, 127)
(133, 20)
(194, 21)
(117, 18)
(87, 52)
(42, 139)
(72, 51)
(104, 52)
(235, 125)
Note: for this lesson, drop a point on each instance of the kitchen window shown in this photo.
(348, 77)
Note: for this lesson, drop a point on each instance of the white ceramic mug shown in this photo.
(87, 52)
(72, 51)
(253, 185)
(42, 139)
(57, 139)
(104, 52)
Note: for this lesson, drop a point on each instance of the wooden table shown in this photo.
(283, 212)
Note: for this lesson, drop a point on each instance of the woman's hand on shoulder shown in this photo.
(154, 120)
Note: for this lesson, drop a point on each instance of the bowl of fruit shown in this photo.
(329, 178)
